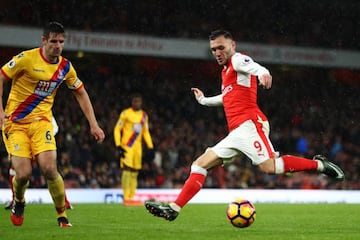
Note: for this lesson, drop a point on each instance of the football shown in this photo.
(241, 213)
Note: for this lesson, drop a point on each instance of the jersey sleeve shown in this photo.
(72, 81)
(12, 68)
(244, 63)
(211, 101)
(146, 134)
(117, 129)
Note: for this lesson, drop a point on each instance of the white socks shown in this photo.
(320, 166)
(175, 207)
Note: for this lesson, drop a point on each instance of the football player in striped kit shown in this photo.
(9, 205)
(131, 129)
(35, 76)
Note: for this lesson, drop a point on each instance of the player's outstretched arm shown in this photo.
(85, 104)
(207, 101)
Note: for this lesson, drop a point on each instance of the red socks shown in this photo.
(190, 188)
(286, 163)
(297, 164)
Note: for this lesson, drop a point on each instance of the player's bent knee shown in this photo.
(268, 166)
(23, 176)
(208, 160)
(50, 173)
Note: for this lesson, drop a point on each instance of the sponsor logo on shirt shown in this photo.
(227, 89)
(45, 88)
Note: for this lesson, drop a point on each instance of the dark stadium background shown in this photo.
(315, 105)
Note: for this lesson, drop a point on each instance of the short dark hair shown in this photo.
(220, 32)
(53, 27)
(135, 95)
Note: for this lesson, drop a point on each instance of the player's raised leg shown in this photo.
(290, 163)
(191, 187)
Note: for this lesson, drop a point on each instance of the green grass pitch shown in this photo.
(196, 221)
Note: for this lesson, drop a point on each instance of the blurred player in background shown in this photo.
(12, 173)
(248, 127)
(35, 77)
(131, 129)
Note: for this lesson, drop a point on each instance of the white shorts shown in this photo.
(250, 138)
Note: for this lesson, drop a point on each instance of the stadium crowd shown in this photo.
(309, 111)
(322, 23)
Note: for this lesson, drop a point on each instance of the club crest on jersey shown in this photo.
(61, 74)
(16, 147)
